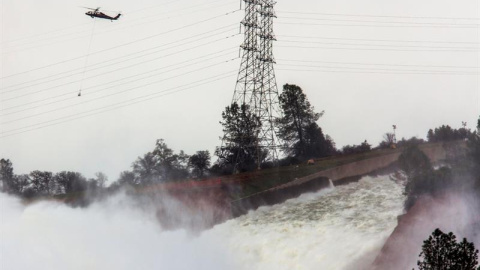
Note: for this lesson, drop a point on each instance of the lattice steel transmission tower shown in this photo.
(268, 106)
(247, 83)
(256, 84)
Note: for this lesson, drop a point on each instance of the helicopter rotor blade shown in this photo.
(96, 9)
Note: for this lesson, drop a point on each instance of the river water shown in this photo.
(340, 227)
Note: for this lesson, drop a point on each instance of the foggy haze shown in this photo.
(338, 228)
(361, 101)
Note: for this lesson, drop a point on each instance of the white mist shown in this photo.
(337, 228)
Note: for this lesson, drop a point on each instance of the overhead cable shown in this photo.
(376, 64)
(380, 40)
(379, 25)
(118, 26)
(372, 49)
(384, 22)
(97, 111)
(372, 72)
(109, 95)
(385, 69)
(381, 16)
(126, 43)
(377, 45)
(71, 96)
(115, 70)
(117, 60)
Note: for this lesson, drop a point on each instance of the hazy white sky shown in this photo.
(168, 68)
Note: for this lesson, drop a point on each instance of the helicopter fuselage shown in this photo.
(101, 15)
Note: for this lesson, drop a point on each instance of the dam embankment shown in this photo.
(338, 175)
(452, 211)
(214, 201)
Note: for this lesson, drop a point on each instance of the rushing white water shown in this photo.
(337, 228)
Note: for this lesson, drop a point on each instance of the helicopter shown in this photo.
(95, 13)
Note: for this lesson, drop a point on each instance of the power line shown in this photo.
(106, 96)
(118, 26)
(115, 106)
(373, 25)
(115, 25)
(376, 64)
(374, 49)
(69, 93)
(373, 72)
(127, 43)
(377, 45)
(386, 69)
(181, 9)
(176, 16)
(73, 26)
(380, 16)
(122, 61)
(104, 89)
(45, 33)
(118, 69)
(383, 22)
(378, 40)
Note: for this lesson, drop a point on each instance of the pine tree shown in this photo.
(442, 252)
(298, 128)
(239, 151)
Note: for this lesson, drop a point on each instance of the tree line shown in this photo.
(163, 164)
(44, 183)
(423, 179)
(441, 250)
(297, 128)
(302, 138)
(445, 133)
